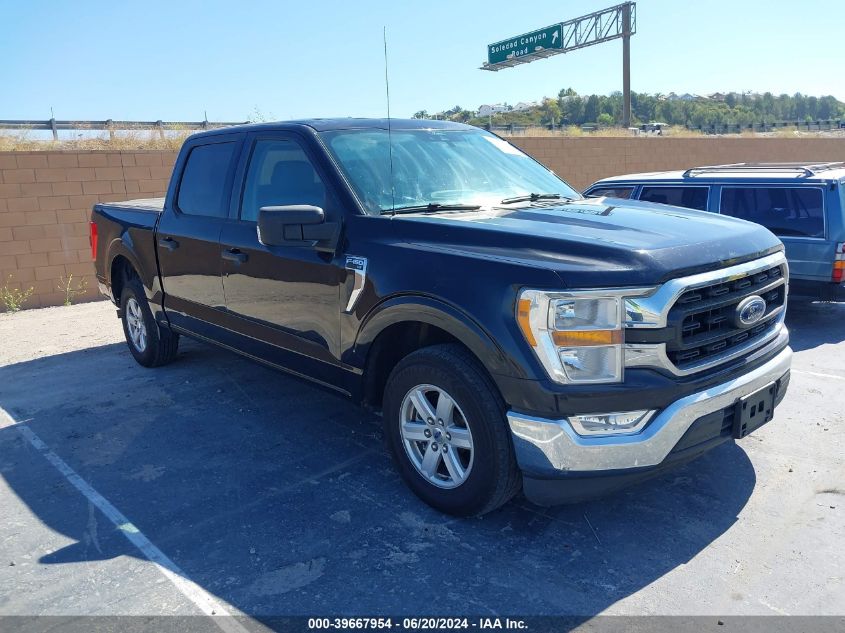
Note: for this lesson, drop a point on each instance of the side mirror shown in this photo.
(297, 225)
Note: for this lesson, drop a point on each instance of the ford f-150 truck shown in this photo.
(511, 332)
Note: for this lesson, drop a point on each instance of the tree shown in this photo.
(813, 107)
(422, 114)
(738, 109)
(767, 101)
(827, 108)
(591, 109)
(463, 116)
(643, 107)
(573, 110)
(550, 112)
(612, 105)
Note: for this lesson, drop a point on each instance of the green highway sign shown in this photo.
(549, 37)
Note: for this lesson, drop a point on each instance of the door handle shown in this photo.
(234, 255)
(169, 243)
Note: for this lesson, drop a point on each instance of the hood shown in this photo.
(598, 242)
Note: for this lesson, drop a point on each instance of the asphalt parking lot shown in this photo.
(259, 494)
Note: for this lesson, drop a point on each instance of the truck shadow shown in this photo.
(280, 499)
(812, 324)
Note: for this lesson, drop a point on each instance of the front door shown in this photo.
(286, 297)
(188, 238)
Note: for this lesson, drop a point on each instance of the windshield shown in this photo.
(438, 168)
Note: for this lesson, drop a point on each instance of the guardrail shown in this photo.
(736, 128)
(732, 128)
(111, 125)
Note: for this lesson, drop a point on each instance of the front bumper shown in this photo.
(551, 449)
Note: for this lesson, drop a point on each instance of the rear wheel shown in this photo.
(446, 428)
(150, 344)
(135, 326)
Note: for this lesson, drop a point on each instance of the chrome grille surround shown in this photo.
(656, 312)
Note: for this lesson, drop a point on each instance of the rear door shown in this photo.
(796, 214)
(188, 238)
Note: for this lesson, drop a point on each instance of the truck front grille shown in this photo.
(703, 323)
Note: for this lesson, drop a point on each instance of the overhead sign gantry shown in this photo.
(615, 22)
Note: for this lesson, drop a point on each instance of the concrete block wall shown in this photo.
(45, 206)
(583, 160)
(46, 197)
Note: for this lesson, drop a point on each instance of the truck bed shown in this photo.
(131, 222)
(141, 204)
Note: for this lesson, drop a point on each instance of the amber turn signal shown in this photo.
(587, 338)
(523, 317)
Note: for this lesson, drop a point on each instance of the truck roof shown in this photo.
(804, 171)
(350, 123)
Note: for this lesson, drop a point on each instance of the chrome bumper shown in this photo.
(545, 447)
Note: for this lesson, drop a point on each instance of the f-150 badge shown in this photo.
(358, 266)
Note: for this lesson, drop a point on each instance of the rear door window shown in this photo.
(785, 211)
(689, 197)
(611, 192)
(204, 189)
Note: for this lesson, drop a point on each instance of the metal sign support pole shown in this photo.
(626, 65)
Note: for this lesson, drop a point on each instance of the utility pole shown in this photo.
(626, 65)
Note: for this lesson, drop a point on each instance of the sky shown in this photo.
(178, 59)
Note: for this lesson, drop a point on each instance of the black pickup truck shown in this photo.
(512, 333)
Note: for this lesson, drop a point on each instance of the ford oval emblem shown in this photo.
(750, 310)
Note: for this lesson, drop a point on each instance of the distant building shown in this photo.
(522, 106)
(684, 97)
(717, 96)
(488, 110)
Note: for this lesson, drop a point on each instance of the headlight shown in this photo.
(577, 338)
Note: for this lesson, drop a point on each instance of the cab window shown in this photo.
(204, 189)
(610, 192)
(280, 173)
(689, 197)
(785, 211)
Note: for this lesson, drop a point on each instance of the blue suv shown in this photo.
(802, 203)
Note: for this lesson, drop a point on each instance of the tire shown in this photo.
(150, 344)
(460, 481)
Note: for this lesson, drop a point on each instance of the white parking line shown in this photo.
(820, 375)
(203, 600)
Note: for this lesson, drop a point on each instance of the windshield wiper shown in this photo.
(431, 206)
(533, 197)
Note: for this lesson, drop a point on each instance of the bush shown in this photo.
(70, 289)
(13, 298)
(605, 120)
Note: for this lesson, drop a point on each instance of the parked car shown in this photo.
(511, 332)
(802, 203)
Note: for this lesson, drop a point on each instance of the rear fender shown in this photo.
(146, 268)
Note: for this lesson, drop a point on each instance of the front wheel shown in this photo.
(445, 425)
